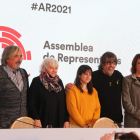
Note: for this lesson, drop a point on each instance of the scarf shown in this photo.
(49, 82)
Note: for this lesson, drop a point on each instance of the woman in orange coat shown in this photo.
(82, 101)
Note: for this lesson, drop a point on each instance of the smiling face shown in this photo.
(108, 67)
(16, 60)
(85, 77)
(52, 69)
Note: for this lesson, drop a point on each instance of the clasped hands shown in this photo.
(87, 126)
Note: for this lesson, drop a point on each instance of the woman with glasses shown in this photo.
(82, 100)
(131, 95)
(47, 99)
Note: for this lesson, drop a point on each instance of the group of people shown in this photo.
(93, 94)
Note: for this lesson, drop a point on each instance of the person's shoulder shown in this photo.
(96, 73)
(60, 82)
(128, 77)
(73, 91)
(23, 69)
(94, 93)
(94, 90)
(75, 88)
(36, 78)
(118, 73)
(35, 81)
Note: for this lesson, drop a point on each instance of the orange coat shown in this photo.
(83, 108)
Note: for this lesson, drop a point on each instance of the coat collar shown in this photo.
(136, 81)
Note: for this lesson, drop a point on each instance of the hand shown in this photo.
(38, 124)
(86, 126)
(68, 86)
(66, 125)
(108, 136)
(89, 126)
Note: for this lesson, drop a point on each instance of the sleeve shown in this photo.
(97, 112)
(27, 79)
(66, 114)
(121, 79)
(72, 108)
(32, 100)
(26, 75)
(126, 99)
(94, 80)
(66, 111)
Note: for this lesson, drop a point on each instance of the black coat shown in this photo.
(109, 91)
(48, 107)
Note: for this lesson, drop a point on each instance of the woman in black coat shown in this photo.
(47, 99)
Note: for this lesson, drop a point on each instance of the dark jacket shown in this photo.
(12, 101)
(109, 90)
(48, 107)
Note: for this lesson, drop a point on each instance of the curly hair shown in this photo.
(46, 62)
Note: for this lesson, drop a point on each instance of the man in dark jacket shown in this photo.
(108, 82)
(13, 86)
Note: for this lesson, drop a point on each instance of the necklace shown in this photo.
(110, 80)
(85, 89)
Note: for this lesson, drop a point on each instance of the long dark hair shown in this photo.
(133, 68)
(83, 69)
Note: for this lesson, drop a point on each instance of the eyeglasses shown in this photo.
(109, 62)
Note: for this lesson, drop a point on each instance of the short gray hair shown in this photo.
(109, 55)
(8, 53)
(48, 61)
